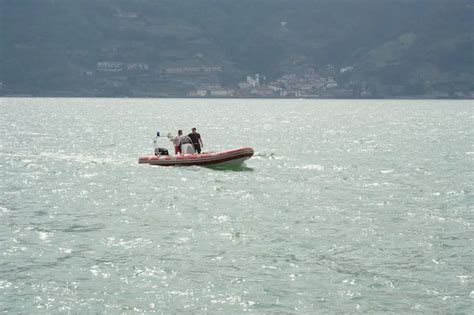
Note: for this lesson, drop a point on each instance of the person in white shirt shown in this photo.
(177, 142)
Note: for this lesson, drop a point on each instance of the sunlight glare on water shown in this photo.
(347, 206)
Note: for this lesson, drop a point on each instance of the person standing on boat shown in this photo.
(177, 142)
(196, 139)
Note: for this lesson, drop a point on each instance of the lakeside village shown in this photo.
(138, 79)
(203, 81)
(310, 84)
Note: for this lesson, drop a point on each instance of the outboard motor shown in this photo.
(158, 150)
(161, 151)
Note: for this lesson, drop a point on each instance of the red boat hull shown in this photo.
(227, 157)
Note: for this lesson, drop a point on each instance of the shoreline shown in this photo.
(237, 98)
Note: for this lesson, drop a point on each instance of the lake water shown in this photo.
(347, 206)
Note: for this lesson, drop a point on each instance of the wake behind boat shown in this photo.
(233, 157)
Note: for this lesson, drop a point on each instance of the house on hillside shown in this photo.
(109, 66)
(137, 66)
(251, 82)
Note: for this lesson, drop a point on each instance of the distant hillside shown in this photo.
(350, 48)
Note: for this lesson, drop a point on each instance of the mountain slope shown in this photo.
(393, 48)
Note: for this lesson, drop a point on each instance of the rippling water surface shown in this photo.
(347, 206)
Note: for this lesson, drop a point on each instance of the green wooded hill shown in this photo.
(391, 48)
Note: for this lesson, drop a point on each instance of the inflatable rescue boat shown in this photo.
(225, 158)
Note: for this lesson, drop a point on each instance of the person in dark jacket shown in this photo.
(196, 140)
